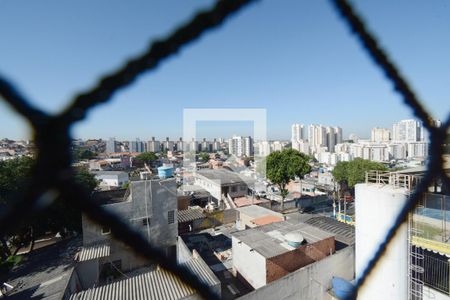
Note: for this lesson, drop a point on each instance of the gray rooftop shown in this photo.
(223, 176)
(268, 240)
(187, 215)
(345, 233)
(110, 197)
(44, 273)
(156, 284)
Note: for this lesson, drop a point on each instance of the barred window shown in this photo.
(171, 216)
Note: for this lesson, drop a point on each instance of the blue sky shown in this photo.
(294, 58)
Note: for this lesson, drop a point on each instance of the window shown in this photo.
(233, 189)
(171, 216)
(106, 230)
(146, 221)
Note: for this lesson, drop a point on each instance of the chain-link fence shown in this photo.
(53, 175)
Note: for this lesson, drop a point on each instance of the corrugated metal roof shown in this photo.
(344, 232)
(97, 251)
(202, 271)
(158, 284)
(188, 215)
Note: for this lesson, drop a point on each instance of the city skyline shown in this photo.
(286, 67)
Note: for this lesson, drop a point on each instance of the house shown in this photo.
(267, 253)
(111, 178)
(220, 182)
(150, 206)
(254, 215)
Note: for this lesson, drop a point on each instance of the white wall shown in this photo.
(376, 207)
(250, 264)
(432, 294)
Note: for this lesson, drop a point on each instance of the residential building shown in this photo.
(221, 183)
(397, 151)
(111, 178)
(317, 136)
(112, 146)
(298, 133)
(167, 145)
(253, 216)
(240, 146)
(338, 135)
(137, 146)
(331, 138)
(380, 135)
(408, 131)
(417, 150)
(266, 253)
(150, 207)
(180, 145)
(153, 145)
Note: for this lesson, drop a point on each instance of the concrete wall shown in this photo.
(249, 264)
(376, 207)
(432, 294)
(183, 252)
(215, 188)
(310, 282)
(288, 262)
(149, 199)
(88, 273)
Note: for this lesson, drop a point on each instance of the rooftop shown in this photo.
(44, 273)
(256, 211)
(269, 241)
(246, 201)
(223, 176)
(115, 173)
(93, 252)
(267, 220)
(110, 197)
(344, 233)
(157, 284)
(187, 215)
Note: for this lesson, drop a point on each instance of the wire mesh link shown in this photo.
(53, 171)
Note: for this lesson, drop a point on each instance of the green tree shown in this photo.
(80, 154)
(284, 166)
(349, 173)
(203, 156)
(57, 217)
(147, 157)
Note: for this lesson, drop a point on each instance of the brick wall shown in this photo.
(283, 264)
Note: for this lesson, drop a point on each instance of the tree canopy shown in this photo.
(59, 216)
(284, 166)
(80, 154)
(203, 156)
(147, 157)
(353, 172)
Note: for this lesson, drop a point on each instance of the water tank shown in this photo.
(342, 288)
(165, 171)
(294, 239)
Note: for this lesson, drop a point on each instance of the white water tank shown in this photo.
(376, 207)
(294, 239)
